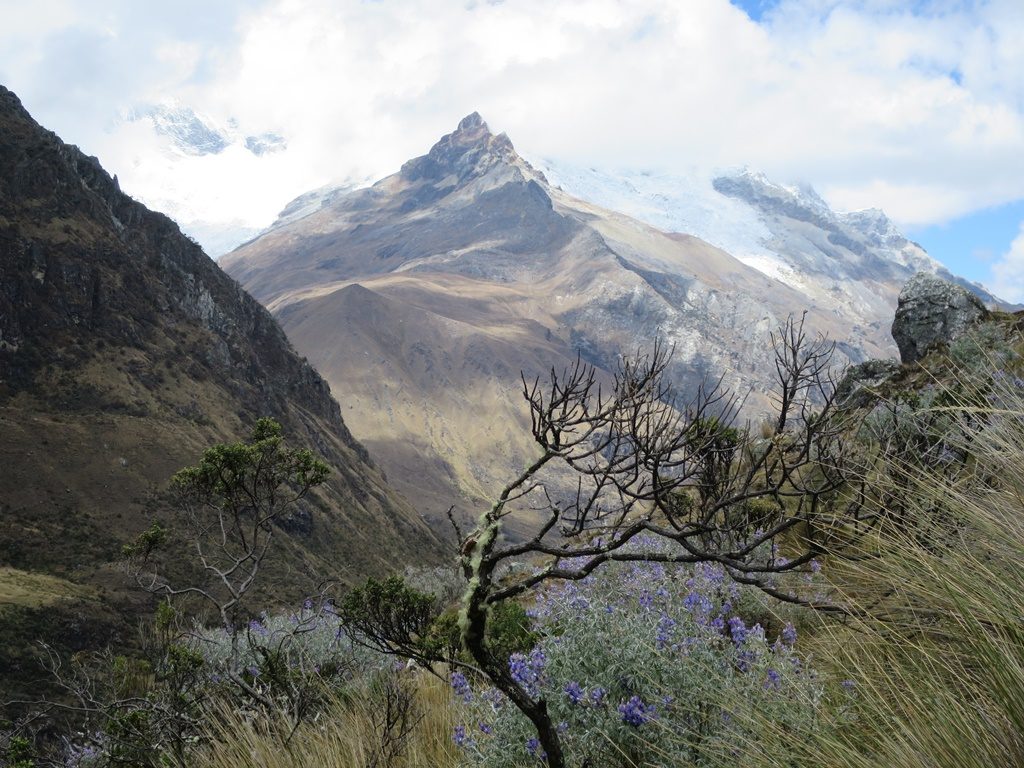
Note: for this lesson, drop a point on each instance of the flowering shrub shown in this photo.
(286, 665)
(654, 663)
(311, 639)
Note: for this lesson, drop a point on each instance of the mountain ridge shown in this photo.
(471, 232)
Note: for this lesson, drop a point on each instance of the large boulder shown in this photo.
(932, 312)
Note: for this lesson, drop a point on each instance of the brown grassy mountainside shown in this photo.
(124, 351)
(422, 297)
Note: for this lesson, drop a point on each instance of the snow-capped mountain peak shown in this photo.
(195, 134)
(786, 231)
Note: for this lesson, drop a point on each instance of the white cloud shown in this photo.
(1008, 271)
(920, 113)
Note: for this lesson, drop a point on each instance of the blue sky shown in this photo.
(912, 106)
(755, 9)
(969, 245)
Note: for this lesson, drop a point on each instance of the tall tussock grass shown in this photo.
(403, 722)
(936, 647)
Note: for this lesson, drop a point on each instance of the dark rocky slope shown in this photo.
(124, 351)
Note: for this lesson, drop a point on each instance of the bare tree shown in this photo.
(646, 462)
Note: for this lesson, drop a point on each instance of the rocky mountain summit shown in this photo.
(422, 297)
(124, 352)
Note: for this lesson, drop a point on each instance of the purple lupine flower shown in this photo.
(494, 697)
(597, 696)
(461, 687)
(574, 692)
(461, 738)
(562, 727)
(849, 684)
(519, 669)
(788, 635)
(646, 601)
(737, 630)
(635, 712)
(773, 680)
(257, 627)
(579, 603)
(538, 659)
(663, 635)
(526, 670)
(485, 728)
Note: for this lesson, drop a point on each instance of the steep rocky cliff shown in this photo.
(124, 351)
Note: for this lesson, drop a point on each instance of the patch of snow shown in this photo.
(754, 225)
(672, 203)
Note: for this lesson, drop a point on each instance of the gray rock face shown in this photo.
(932, 312)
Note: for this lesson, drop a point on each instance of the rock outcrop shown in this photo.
(932, 312)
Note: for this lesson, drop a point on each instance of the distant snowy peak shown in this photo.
(685, 203)
(195, 134)
(863, 244)
(781, 230)
(752, 186)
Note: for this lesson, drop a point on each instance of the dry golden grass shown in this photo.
(346, 735)
(36, 590)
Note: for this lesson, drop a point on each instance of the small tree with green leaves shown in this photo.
(230, 506)
(231, 503)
